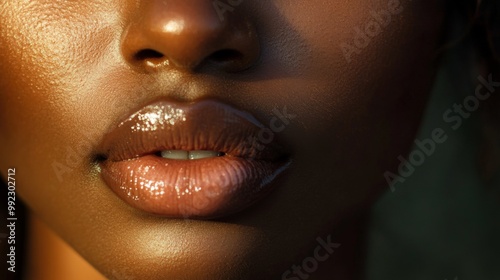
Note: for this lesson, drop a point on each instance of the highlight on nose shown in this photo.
(189, 36)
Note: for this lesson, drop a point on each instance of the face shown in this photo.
(335, 88)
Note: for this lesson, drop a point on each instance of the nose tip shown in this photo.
(189, 35)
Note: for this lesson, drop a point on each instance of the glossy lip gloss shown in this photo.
(200, 160)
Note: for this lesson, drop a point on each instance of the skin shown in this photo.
(69, 70)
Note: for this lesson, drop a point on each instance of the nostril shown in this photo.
(147, 54)
(225, 55)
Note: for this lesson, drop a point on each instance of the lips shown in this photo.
(200, 160)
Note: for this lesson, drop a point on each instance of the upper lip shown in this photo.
(204, 125)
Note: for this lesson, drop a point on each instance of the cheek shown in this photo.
(49, 53)
(369, 71)
(44, 63)
(365, 57)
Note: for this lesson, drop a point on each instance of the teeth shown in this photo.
(202, 154)
(175, 154)
(191, 155)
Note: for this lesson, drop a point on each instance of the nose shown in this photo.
(189, 35)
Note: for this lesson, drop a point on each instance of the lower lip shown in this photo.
(204, 188)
